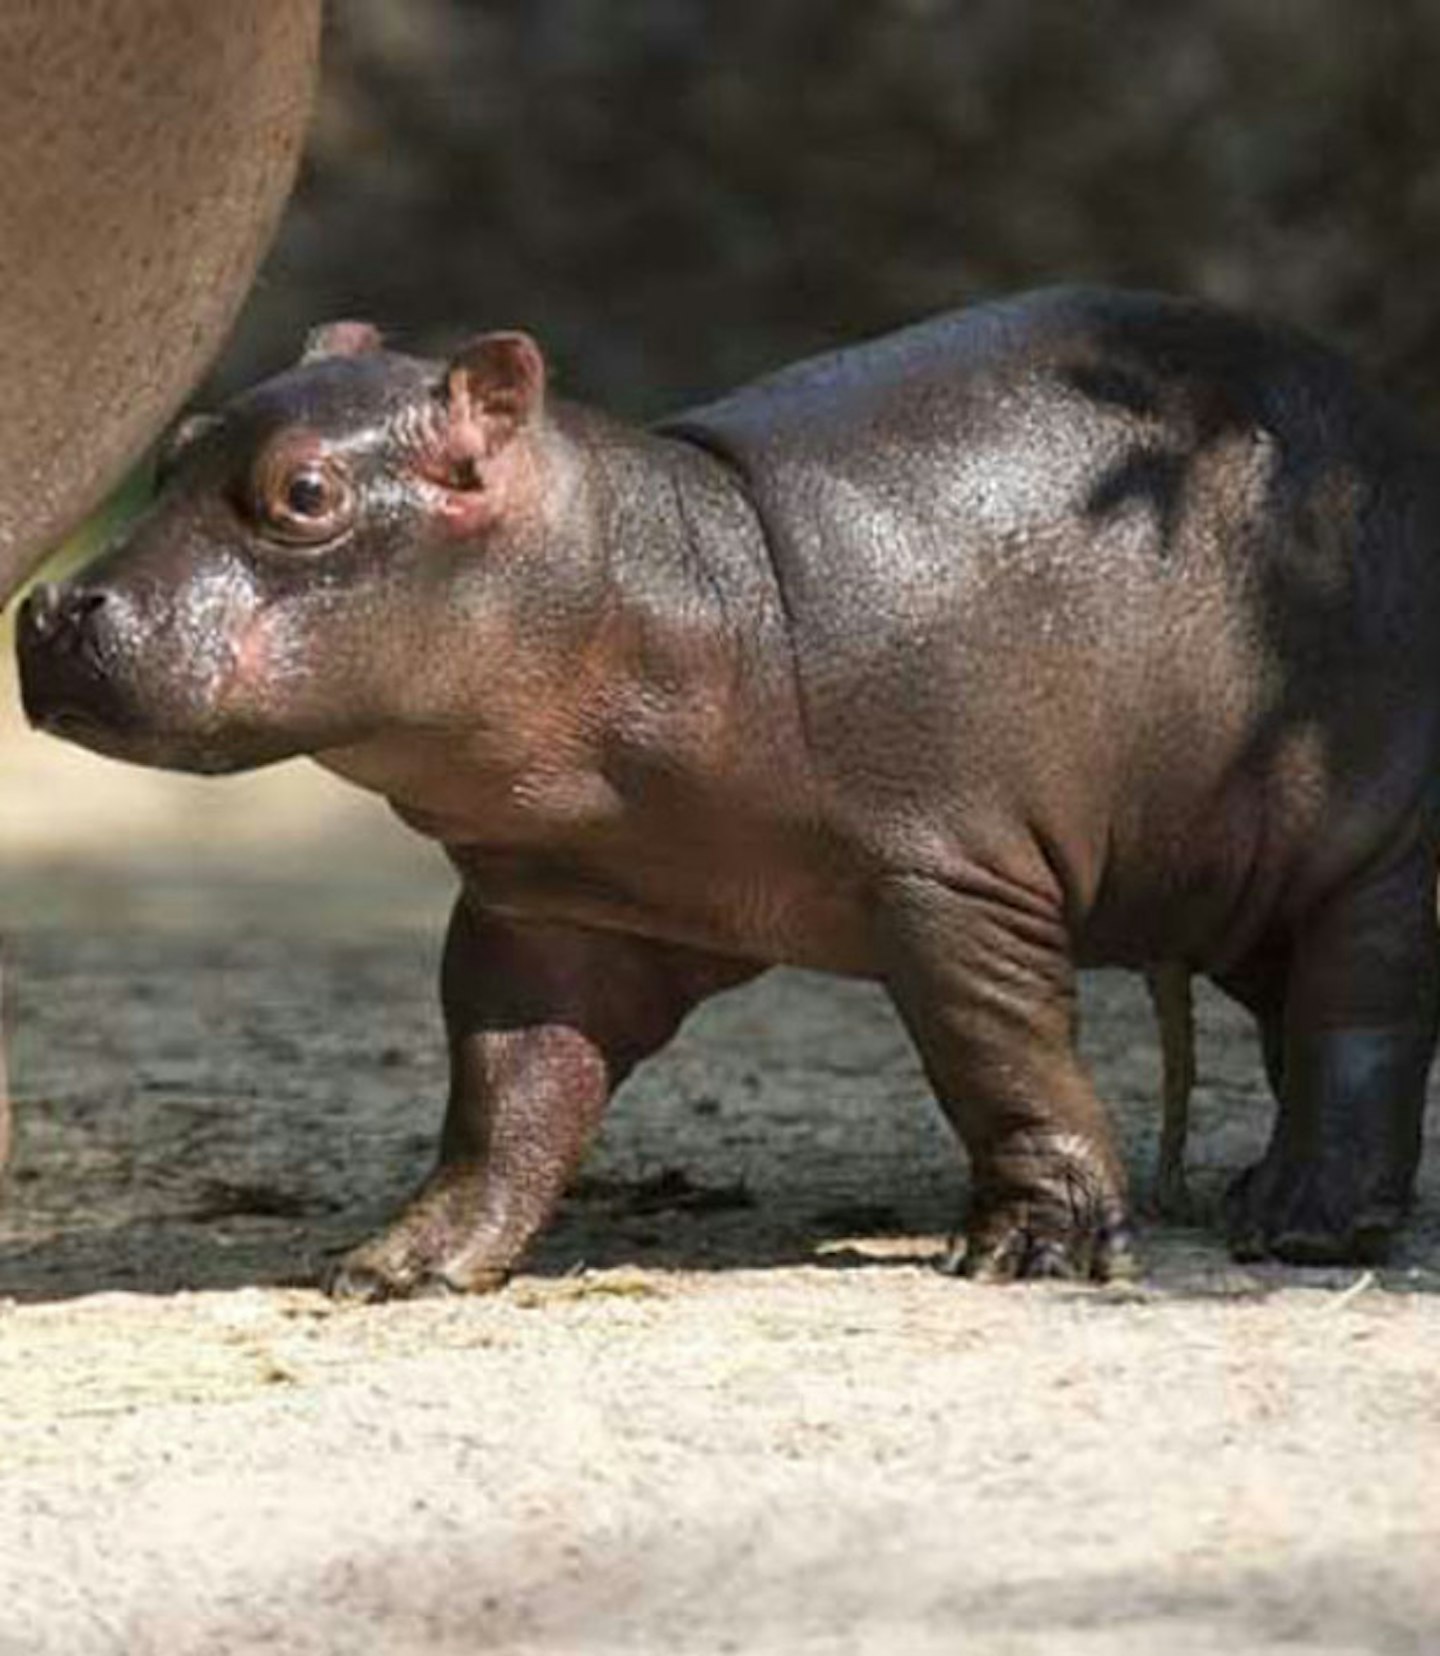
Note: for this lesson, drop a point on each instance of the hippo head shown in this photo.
(349, 546)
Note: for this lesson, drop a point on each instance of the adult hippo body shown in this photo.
(1088, 628)
(146, 149)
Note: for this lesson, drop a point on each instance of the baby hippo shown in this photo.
(1086, 628)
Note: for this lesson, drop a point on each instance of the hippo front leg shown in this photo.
(1349, 1059)
(986, 986)
(544, 1022)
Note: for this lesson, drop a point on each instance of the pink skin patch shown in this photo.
(252, 652)
(258, 660)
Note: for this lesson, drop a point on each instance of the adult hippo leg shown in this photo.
(146, 149)
(544, 1023)
(7, 1114)
(1357, 1040)
(986, 986)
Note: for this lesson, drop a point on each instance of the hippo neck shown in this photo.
(682, 695)
(687, 565)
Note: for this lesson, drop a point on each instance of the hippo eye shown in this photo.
(305, 499)
(307, 495)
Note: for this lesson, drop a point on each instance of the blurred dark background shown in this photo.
(676, 194)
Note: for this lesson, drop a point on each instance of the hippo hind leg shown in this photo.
(985, 983)
(1172, 995)
(1348, 1056)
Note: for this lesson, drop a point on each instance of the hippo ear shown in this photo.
(183, 435)
(336, 339)
(496, 385)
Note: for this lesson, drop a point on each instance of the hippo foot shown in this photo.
(357, 1279)
(433, 1250)
(1307, 1213)
(1013, 1247)
(365, 1279)
(1049, 1211)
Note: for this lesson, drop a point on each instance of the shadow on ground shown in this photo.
(212, 1106)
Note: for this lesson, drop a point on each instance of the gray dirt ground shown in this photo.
(730, 1407)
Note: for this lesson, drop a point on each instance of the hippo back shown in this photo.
(1089, 557)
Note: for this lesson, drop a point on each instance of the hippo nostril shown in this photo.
(86, 602)
(63, 618)
(41, 610)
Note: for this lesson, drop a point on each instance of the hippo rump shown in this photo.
(1086, 628)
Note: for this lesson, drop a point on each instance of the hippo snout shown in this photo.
(65, 636)
(114, 667)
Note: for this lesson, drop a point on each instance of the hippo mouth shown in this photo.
(139, 743)
(119, 735)
(68, 689)
(69, 722)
